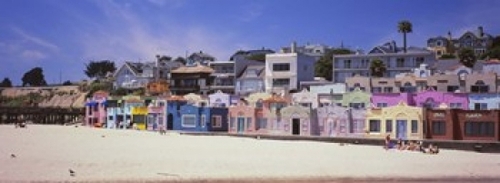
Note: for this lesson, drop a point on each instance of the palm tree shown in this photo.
(404, 27)
(377, 68)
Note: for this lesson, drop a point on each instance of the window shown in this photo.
(281, 82)
(347, 64)
(249, 123)
(262, 123)
(306, 105)
(455, 105)
(216, 121)
(377, 90)
(419, 61)
(374, 125)
(453, 88)
(387, 89)
(479, 87)
(408, 88)
(139, 118)
(400, 62)
(232, 120)
(281, 67)
(188, 120)
(110, 118)
(388, 126)
(438, 128)
(483, 129)
(414, 126)
(203, 120)
(357, 105)
(379, 105)
(258, 104)
(442, 81)
(480, 106)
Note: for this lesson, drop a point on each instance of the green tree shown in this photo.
(119, 92)
(324, 67)
(6, 83)
(34, 77)
(257, 57)
(99, 69)
(405, 27)
(447, 56)
(377, 68)
(66, 83)
(467, 57)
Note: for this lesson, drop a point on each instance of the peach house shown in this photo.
(247, 115)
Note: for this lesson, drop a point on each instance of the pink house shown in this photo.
(247, 115)
(433, 99)
(391, 99)
(95, 109)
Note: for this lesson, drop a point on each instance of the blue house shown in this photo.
(201, 118)
(484, 101)
(173, 110)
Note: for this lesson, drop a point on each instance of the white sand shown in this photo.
(47, 152)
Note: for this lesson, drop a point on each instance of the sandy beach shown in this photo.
(46, 153)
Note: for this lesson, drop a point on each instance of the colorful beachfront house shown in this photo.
(191, 113)
(95, 109)
(173, 109)
(306, 99)
(400, 121)
(156, 119)
(272, 109)
(328, 93)
(131, 102)
(356, 99)
(219, 99)
(194, 117)
(139, 114)
(246, 111)
(337, 121)
(380, 100)
(115, 112)
(297, 120)
(484, 101)
(433, 99)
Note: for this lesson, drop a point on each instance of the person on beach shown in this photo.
(388, 144)
(432, 149)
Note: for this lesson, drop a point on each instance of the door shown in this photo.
(401, 129)
(295, 126)
(170, 122)
(241, 124)
(330, 127)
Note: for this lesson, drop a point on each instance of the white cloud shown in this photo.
(33, 55)
(131, 38)
(35, 40)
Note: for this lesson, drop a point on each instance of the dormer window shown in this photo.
(479, 87)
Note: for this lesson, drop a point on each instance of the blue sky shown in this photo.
(62, 35)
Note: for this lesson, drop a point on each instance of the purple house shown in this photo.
(391, 99)
(433, 99)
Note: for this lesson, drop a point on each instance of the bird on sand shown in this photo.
(71, 172)
(12, 156)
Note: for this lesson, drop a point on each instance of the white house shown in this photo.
(287, 70)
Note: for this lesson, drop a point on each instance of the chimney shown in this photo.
(480, 31)
(293, 48)
(449, 35)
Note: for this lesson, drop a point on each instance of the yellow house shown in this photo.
(139, 117)
(400, 121)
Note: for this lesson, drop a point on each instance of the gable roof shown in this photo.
(259, 68)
